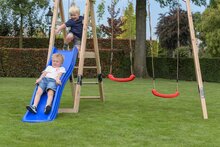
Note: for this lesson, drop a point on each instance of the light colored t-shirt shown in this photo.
(53, 72)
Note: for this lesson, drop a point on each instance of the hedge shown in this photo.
(9, 44)
(13, 42)
(30, 63)
(166, 68)
(22, 62)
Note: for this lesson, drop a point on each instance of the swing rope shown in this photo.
(110, 75)
(112, 46)
(178, 45)
(154, 91)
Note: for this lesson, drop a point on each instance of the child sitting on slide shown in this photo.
(48, 82)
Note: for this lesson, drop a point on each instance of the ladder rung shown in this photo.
(88, 55)
(88, 67)
(88, 82)
(90, 97)
(66, 110)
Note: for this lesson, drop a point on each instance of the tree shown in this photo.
(164, 3)
(130, 22)
(167, 30)
(140, 69)
(114, 23)
(209, 29)
(5, 25)
(100, 12)
(101, 9)
(213, 3)
(140, 47)
(22, 9)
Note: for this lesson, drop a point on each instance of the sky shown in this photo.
(155, 10)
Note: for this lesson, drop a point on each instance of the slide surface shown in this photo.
(70, 57)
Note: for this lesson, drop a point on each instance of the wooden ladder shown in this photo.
(83, 54)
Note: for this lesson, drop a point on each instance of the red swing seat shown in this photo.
(156, 93)
(131, 78)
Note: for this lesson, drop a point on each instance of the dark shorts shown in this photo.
(48, 83)
(76, 40)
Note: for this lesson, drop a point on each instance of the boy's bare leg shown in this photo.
(37, 96)
(50, 94)
(68, 39)
(78, 47)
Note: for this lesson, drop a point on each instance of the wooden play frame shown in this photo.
(89, 9)
(76, 86)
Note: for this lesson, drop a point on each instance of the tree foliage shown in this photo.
(167, 29)
(171, 3)
(117, 30)
(213, 3)
(114, 22)
(5, 24)
(100, 10)
(24, 16)
(210, 30)
(130, 22)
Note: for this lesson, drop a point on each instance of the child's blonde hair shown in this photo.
(74, 10)
(57, 55)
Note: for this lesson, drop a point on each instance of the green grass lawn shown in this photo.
(130, 116)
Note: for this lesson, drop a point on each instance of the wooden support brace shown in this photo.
(196, 61)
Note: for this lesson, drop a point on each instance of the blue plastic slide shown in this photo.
(70, 57)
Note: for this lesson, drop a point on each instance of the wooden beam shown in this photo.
(88, 55)
(62, 18)
(82, 55)
(95, 41)
(196, 62)
(52, 32)
(87, 67)
(90, 97)
(65, 110)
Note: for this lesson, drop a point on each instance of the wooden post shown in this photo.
(196, 62)
(53, 25)
(62, 18)
(81, 60)
(95, 40)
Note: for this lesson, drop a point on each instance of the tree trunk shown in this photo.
(140, 44)
(21, 32)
